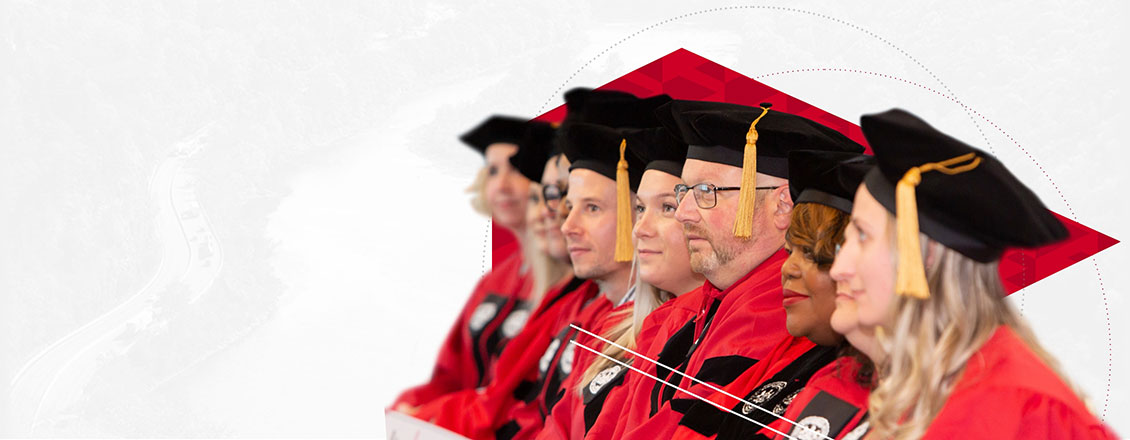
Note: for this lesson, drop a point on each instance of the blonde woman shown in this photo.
(953, 358)
(478, 334)
(662, 271)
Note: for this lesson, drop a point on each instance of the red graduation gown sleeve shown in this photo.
(733, 330)
(476, 413)
(566, 420)
(598, 418)
(772, 385)
(1007, 392)
(556, 366)
(576, 415)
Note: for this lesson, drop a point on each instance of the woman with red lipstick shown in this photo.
(488, 319)
(662, 272)
(954, 359)
(821, 184)
(834, 400)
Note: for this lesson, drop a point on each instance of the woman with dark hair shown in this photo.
(834, 400)
(821, 184)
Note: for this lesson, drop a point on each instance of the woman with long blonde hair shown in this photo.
(661, 268)
(953, 358)
(499, 304)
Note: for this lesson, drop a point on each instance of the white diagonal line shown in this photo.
(692, 378)
(678, 388)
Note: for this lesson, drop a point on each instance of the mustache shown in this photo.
(696, 230)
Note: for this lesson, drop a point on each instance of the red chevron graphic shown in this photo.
(685, 75)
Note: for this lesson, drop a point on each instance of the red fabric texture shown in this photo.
(1006, 391)
(749, 322)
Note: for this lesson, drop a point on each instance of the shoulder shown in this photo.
(1024, 396)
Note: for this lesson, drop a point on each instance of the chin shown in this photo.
(796, 330)
(843, 325)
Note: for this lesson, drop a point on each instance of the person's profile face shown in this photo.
(556, 175)
(661, 247)
(505, 188)
(590, 226)
(709, 237)
(809, 294)
(865, 263)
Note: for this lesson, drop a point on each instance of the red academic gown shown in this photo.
(731, 331)
(558, 371)
(772, 385)
(1007, 392)
(833, 404)
(496, 311)
(579, 414)
(479, 413)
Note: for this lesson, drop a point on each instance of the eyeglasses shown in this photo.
(552, 194)
(705, 194)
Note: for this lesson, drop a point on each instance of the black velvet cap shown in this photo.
(596, 147)
(495, 129)
(659, 150)
(612, 108)
(978, 213)
(829, 178)
(534, 150)
(716, 132)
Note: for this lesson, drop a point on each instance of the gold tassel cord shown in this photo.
(911, 280)
(743, 222)
(624, 248)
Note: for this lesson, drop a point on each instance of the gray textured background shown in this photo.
(247, 219)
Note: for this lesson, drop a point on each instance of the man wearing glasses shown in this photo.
(735, 207)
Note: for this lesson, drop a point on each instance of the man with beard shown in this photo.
(735, 207)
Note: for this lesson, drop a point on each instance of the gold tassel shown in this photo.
(911, 280)
(743, 223)
(624, 248)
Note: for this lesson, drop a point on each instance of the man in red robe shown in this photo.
(529, 378)
(735, 207)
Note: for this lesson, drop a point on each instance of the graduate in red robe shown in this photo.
(821, 184)
(597, 232)
(663, 271)
(517, 406)
(739, 320)
(929, 225)
(501, 301)
(478, 412)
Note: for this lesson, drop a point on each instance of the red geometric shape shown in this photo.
(685, 75)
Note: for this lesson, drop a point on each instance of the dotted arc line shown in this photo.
(949, 95)
(1098, 273)
(557, 91)
(486, 240)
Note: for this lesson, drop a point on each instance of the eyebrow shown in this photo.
(657, 196)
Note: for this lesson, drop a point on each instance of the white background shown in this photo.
(247, 219)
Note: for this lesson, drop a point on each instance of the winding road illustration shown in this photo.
(55, 378)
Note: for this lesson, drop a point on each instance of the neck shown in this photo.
(614, 285)
(685, 285)
(520, 236)
(863, 339)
